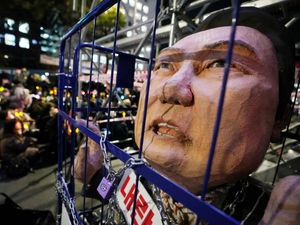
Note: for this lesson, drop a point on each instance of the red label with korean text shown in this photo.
(146, 212)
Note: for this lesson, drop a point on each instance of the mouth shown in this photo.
(168, 130)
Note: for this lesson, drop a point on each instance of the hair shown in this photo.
(279, 36)
(9, 127)
(14, 103)
(3, 76)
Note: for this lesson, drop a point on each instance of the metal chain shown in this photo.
(110, 211)
(58, 219)
(156, 195)
(238, 198)
(107, 161)
(131, 163)
(254, 207)
(61, 188)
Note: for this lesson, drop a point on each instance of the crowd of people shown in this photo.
(28, 118)
(27, 124)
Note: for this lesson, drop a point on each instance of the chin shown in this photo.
(192, 184)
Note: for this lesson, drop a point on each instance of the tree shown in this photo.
(46, 13)
(105, 23)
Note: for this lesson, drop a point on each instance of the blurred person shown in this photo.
(16, 110)
(5, 115)
(17, 152)
(5, 96)
(51, 126)
(4, 78)
(46, 124)
(21, 75)
(22, 95)
(18, 105)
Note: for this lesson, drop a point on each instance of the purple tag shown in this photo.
(105, 188)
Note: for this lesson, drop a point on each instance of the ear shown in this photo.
(280, 124)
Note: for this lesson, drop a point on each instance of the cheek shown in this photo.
(257, 97)
(247, 121)
(139, 115)
(247, 118)
(156, 86)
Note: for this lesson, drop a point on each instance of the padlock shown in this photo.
(105, 188)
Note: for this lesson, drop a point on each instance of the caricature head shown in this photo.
(184, 95)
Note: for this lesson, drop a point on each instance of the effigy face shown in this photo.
(183, 99)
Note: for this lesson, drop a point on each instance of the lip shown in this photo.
(167, 130)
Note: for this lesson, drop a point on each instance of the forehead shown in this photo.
(245, 36)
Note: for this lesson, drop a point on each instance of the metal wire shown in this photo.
(287, 130)
(111, 80)
(236, 10)
(87, 118)
(113, 66)
(145, 105)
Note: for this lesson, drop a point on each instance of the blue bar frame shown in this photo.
(202, 209)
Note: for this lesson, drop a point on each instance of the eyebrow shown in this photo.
(237, 43)
(170, 50)
(210, 51)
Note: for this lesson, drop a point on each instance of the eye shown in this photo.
(234, 66)
(217, 64)
(164, 66)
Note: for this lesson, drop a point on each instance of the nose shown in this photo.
(177, 89)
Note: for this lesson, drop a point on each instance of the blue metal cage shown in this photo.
(68, 93)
